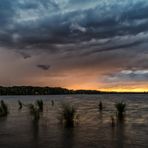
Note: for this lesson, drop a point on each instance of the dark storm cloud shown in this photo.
(6, 11)
(37, 23)
(25, 55)
(116, 47)
(43, 67)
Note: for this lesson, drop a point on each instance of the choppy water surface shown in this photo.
(94, 129)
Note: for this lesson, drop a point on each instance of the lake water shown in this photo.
(93, 130)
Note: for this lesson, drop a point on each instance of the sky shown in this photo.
(90, 44)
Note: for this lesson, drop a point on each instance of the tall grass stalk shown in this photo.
(52, 102)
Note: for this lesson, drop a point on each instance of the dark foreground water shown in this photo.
(94, 129)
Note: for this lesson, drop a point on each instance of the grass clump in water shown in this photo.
(68, 115)
(100, 106)
(52, 102)
(40, 105)
(3, 108)
(121, 108)
(20, 105)
(34, 111)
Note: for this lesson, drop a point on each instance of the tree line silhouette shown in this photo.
(31, 90)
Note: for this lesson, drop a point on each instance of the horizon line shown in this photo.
(72, 89)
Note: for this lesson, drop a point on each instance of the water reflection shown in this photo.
(67, 138)
(3, 123)
(120, 134)
(35, 130)
(35, 134)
